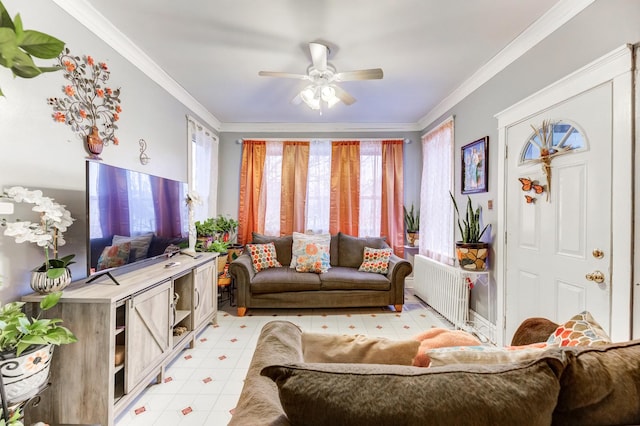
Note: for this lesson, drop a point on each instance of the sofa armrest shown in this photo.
(399, 268)
(241, 270)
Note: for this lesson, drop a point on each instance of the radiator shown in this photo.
(445, 288)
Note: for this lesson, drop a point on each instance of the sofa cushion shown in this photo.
(374, 394)
(300, 242)
(263, 256)
(351, 249)
(483, 354)
(580, 330)
(342, 278)
(283, 246)
(375, 260)
(361, 349)
(312, 257)
(278, 280)
(139, 243)
(600, 386)
(114, 256)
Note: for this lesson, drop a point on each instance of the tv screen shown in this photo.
(132, 216)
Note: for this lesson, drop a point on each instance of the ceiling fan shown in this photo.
(323, 78)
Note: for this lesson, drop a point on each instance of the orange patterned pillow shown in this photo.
(263, 256)
(376, 260)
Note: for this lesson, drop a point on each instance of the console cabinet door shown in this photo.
(205, 289)
(148, 332)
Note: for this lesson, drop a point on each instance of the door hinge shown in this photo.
(506, 151)
(505, 238)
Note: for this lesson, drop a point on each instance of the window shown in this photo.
(564, 136)
(203, 168)
(436, 211)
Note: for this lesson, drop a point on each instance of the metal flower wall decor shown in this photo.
(89, 105)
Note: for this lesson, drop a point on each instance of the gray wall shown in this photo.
(38, 153)
(599, 29)
(231, 155)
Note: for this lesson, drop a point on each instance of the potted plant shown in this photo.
(412, 225)
(19, 45)
(205, 232)
(472, 253)
(54, 274)
(26, 347)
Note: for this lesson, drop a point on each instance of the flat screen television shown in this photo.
(132, 217)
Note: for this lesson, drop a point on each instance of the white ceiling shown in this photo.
(430, 50)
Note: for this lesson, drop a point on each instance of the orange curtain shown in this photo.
(293, 197)
(345, 187)
(252, 203)
(393, 195)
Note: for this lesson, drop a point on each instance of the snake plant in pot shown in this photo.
(471, 252)
(412, 225)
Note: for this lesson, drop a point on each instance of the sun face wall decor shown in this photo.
(89, 105)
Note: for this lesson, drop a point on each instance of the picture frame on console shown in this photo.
(475, 164)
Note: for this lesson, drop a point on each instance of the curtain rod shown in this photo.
(405, 140)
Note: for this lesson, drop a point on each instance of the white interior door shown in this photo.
(556, 250)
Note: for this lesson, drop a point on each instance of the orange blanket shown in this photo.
(440, 338)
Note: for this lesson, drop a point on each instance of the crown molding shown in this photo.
(553, 19)
(95, 22)
(319, 127)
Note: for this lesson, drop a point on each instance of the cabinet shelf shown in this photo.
(180, 315)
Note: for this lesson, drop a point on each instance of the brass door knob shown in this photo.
(598, 254)
(596, 276)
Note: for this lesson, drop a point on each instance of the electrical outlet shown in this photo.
(490, 205)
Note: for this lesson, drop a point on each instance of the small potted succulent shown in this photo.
(472, 253)
(412, 225)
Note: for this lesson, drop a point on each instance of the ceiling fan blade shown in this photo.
(283, 75)
(319, 55)
(370, 74)
(296, 99)
(342, 94)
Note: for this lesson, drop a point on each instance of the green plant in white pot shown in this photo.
(26, 346)
(472, 253)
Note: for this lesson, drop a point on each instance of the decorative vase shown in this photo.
(42, 284)
(94, 144)
(412, 238)
(234, 250)
(23, 376)
(472, 256)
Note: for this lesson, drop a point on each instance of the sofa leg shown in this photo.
(398, 308)
(241, 311)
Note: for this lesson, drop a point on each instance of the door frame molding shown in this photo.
(617, 68)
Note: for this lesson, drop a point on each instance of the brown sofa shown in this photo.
(342, 286)
(563, 386)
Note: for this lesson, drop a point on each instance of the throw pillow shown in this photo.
(139, 243)
(437, 337)
(114, 256)
(372, 394)
(312, 257)
(581, 330)
(484, 355)
(263, 256)
(376, 260)
(300, 241)
(360, 349)
(283, 245)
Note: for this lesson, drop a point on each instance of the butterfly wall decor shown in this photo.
(531, 185)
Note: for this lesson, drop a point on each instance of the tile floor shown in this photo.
(202, 385)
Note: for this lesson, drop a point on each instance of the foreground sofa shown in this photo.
(343, 285)
(563, 386)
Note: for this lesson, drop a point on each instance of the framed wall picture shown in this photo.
(475, 166)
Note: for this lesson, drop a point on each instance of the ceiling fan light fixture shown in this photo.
(328, 93)
(309, 96)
